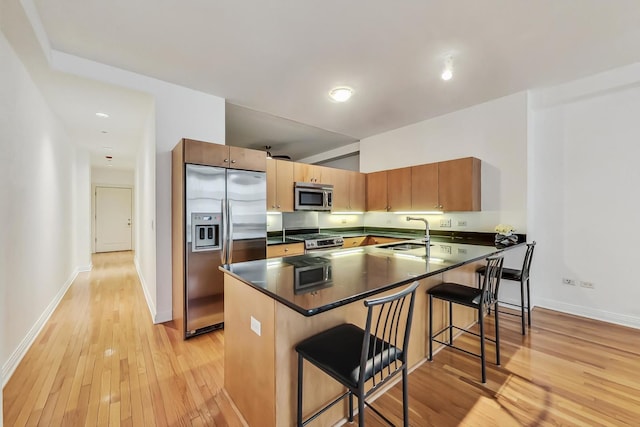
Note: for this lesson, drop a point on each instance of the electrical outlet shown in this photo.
(344, 220)
(588, 285)
(256, 326)
(445, 222)
(462, 223)
(445, 249)
(568, 281)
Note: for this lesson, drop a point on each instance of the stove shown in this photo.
(318, 241)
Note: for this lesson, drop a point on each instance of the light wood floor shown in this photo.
(101, 361)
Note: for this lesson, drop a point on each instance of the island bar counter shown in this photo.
(274, 304)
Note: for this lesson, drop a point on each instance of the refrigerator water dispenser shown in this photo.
(205, 231)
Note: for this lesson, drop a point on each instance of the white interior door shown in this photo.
(113, 219)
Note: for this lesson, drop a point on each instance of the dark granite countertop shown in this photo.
(317, 282)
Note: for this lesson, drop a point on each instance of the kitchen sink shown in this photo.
(403, 246)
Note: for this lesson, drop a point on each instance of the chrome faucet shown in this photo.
(427, 239)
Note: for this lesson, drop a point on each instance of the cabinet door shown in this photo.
(307, 173)
(399, 189)
(352, 242)
(206, 153)
(459, 184)
(376, 240)
(424, 187)
(357, 191)
(340, 181)
(284, 185)
(377, 191)
(244, 158)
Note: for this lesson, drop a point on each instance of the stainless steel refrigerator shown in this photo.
(225, 223)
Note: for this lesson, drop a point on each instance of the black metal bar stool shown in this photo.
(354, 356)
(521, 276)
(482, 299)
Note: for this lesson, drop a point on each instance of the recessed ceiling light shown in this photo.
(107, 148)
(104, 131)
(447, 72)
(341, 94)
(103, 115)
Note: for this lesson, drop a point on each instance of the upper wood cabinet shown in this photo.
(389, 190)
(459, 187)
(424, 187)
(279, 185)
(210, 154)
(348, 190)
(311, 173)
(377, 191)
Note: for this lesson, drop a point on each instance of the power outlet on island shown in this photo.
(256, 326)
(445, 222)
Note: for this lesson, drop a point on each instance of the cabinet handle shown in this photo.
(233, 161)
(286, 250)
(278, 206)
(226, 160)
(273, 206)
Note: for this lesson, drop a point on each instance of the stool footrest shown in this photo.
(320, 412)
(446, 328)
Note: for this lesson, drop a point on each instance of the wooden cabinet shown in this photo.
(376, 240)
(459, 187)
(348, 190)
(311, 173)
(389, 190)
(377, 191)
(279, 185)
(352, 242)
(210, 154)
(287, 249)
(424, 187)
(451, 186)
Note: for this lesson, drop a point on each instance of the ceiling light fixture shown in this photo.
(341, 94)
(103, 115)
(447, 72)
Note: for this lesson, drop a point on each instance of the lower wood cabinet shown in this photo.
(287, 249)
(375, 240)
(352, 242)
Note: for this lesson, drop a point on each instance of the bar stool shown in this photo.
(354, 356)
(521, 276)
(482, 299)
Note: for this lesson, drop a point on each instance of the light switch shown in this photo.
(255, 326)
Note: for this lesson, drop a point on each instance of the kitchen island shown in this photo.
(271, 305)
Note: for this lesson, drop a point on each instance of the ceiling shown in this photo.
(275, 61)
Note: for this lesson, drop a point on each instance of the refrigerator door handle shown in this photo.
(223, 252)
(229, 234)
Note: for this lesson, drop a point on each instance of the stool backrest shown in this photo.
(386, 317)
(528, 256)
(491, 283)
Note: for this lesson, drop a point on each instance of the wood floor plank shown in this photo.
(100, 360)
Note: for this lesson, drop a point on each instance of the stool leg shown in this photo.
(482, 355)
(350, 406)
(522, 307)
(496, 311)
(360, 408)
(300, 363)
(528, 303)
(405, 397)
(450, 323)
(430, 327)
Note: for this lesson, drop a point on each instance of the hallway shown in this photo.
(100, 361)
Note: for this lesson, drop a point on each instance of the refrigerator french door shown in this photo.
(225, 223)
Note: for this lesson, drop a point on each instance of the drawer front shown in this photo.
(275, 251)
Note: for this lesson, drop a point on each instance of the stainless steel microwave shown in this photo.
(313, 197)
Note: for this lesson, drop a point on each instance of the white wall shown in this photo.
(495, 132)
(350, 162)
(179, 113)
(584, 183)
(81, 214)
(39, 181)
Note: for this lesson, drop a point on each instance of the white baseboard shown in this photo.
(18, 354)
(591, 313)
(85, 268)
(155, 316)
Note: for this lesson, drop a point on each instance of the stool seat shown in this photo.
(507, 273)
(459, 294)
(337, 351)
